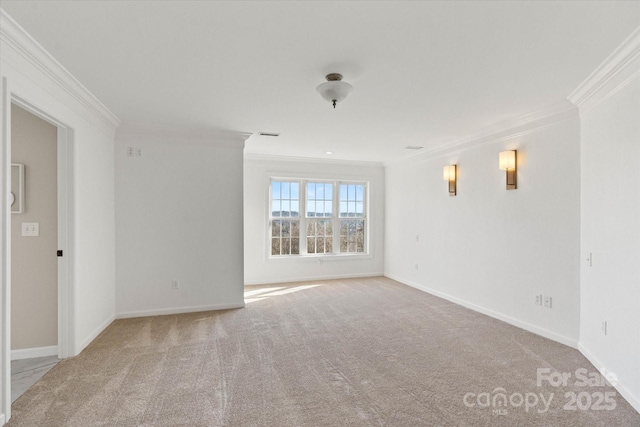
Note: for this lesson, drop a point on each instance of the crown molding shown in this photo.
(293, 159)
(514, 127)
(21, 42)
(172, 133)
(615, 72)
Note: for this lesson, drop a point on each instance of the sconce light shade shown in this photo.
(508, 161)
(449, 175)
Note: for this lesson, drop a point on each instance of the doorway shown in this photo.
(34, 236)
(34, 242)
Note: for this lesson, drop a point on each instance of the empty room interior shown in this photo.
(320, 213)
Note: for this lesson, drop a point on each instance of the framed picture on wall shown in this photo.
(16, 197)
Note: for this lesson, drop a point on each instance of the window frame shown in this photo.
(304, 218)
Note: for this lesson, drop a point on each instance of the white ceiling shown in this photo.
(424, 73)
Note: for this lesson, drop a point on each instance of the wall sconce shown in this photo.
(508, 162)
(449, 175)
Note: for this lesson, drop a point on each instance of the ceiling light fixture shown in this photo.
(334, 89)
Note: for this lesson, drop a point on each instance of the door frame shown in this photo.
(66, 227)
(65, 136)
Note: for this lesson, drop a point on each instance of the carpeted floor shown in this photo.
(359, 352)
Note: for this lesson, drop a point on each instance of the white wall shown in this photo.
(33, 76)
(610, 287)
(488, 248)
(259, 268)
(178, 217)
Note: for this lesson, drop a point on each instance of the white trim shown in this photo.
(93, 335)
(66, 227)
(178, 310)
(14, 35)
(188, 135)
(633, 400)
(311, 278)
(65, 143)
(496, 315)
(2, 421)
(514, 127)
(613, 72)
(29, 353)
(303, 160)
(5, 251)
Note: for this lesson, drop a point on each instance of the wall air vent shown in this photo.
(413, 147)
(268, 134)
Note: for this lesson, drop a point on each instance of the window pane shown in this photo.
(286, 246)
(359, 193)
(295, 191)
(286, 228)
(295, 209)
(343, 192)
(359, 208)
(286, 192)
(311, 191)
(275, 190)
(320, 245)
(343, 209)
(295, 246)
(328, 190)
(328, 208)
(311, 209)
(328, 242)
(286, 208)
(275, 246)
(275, 228)
(352, 192)
(295, 228)
(311, 228)
(311, 247)
(320, 191)
(275, 208)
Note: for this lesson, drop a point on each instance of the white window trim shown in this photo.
(336, 254)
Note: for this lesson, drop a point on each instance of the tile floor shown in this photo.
(26, 372)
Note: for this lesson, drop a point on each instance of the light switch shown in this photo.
(31, 229)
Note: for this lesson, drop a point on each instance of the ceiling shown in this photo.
(424, 73)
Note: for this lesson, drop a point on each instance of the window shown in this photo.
(319, 218)
(333, 219)
(285, 214)
(352, 218)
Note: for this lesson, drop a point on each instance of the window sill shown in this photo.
(321, 258)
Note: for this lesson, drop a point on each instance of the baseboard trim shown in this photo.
(178, 310)
(496, 315)
(632, 399)
(29, 353)
(310, 278)
(94, 334)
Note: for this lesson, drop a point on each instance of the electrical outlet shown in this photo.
(175, 284)
(547, 301)
(538, 299)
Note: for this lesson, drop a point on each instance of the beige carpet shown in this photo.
(368, 352)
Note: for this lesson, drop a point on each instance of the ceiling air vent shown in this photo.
(268, 134)
(413, 147)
